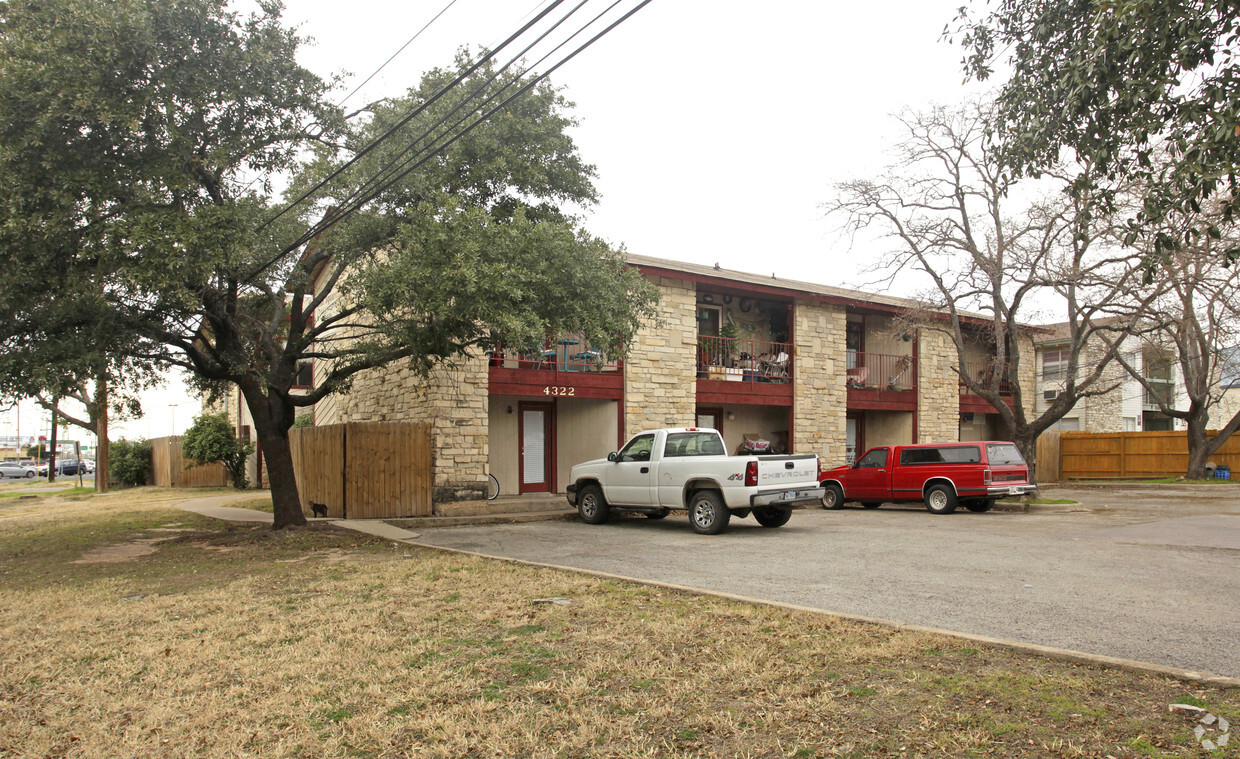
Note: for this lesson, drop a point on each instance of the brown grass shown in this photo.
(236, 641)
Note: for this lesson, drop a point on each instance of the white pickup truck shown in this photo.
(687, 468)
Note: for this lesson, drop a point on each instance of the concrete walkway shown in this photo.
(217, 507)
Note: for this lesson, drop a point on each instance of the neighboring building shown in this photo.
(810, 368)
(1129, 406)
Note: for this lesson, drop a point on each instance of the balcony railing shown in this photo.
(748, 360)
(983, 371)
(565, 354)
(1163, 392)
(879, 371)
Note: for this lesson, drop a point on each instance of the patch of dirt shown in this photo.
(121, 552)
(334, 554)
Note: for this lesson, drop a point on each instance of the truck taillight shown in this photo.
(751, 474)
(985, 476)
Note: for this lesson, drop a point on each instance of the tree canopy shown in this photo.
(1115, 82)
(136, 165)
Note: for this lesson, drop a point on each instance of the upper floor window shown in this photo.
(1055, 364)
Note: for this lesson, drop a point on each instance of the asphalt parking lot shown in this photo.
(1144, 573)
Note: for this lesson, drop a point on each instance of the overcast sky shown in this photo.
(717, 128)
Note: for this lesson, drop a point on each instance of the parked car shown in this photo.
(70, 466)
(15, 469)
(942, 475)
(688, 468)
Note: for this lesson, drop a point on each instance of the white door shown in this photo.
(850, 442)
(535, 448)
(631, 480)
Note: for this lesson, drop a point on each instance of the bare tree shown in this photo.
(955, 219)
(1196, 317)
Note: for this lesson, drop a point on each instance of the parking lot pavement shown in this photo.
(1147, 574)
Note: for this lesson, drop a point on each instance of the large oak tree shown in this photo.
(136, 154)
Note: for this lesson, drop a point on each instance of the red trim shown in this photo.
(531, 382)
(979, 405)
(882, 400)
(724, 393)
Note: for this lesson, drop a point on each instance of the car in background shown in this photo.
(15, 469)
(70, 466)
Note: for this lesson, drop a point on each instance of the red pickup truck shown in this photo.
(942, 475)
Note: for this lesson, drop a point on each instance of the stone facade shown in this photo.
(660, 385)
(821, 397)
(938, 388)
(453, 399)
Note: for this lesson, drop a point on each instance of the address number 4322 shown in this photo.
(563, 391)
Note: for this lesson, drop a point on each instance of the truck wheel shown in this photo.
(769, 516)
(985, 504)
(658, 514)
(871, 504)
(940, 499)
(707, 514)
(833, 498)
(591, 505)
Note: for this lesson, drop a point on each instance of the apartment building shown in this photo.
(809, 368)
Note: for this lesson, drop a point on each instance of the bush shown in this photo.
(129, 461)
(212, 439)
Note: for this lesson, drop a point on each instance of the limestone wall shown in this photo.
(660, 373)
(820, 403)
(938, 388)
(453, 399)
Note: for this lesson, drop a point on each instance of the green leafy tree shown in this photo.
(1116, 82)
(130, 461)
(212, 439)
(132, 137)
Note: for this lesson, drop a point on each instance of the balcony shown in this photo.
(740, 360)
(879, 371)
(1161, 390)
(560, 368)
(741, 371)
(982, 371)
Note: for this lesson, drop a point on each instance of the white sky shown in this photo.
(717, 129)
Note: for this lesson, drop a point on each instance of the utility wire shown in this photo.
(398, 52)
(401, 159)
(332, 219)
(409, 117)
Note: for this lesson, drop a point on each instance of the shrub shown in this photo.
(129, 461)
(211, 439)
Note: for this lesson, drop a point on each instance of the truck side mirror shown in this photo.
(613, 456)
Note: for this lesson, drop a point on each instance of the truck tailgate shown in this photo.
(785, 471)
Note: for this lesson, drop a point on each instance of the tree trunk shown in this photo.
(1198, 448)
(271, 423)
(1028, 448)
(101, 433)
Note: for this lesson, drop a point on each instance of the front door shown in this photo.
(535, 434)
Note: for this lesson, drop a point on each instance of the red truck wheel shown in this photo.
(940, 499)
(833, 498)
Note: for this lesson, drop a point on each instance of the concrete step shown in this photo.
(520, 504)
(420, 523)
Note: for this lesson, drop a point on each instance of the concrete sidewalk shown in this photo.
(217, 507)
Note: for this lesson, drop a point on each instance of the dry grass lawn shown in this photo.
(130, 628)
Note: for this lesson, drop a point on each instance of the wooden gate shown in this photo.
(365, 470)
(1097, 455)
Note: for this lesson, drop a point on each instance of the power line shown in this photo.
(356, 204)
(398, 52)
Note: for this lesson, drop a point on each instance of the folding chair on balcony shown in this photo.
(902, 365)
(857, 376)
(776, 367)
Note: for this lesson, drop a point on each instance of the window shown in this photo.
(1000, 454)
(875, 459)
(1055, 364)
(693, 444)
(962, 454)
(638, 449)
(305, 375)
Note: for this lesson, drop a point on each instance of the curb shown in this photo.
(1050, 652)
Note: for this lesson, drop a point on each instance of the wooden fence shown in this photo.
(362, 470)
(1117, 455)
(169, 469)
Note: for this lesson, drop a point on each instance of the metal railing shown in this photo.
(879, 371)
(983, 371)
(745, 360)
(1165, 393)
(566, 354)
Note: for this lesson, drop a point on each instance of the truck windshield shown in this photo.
(693, 444)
